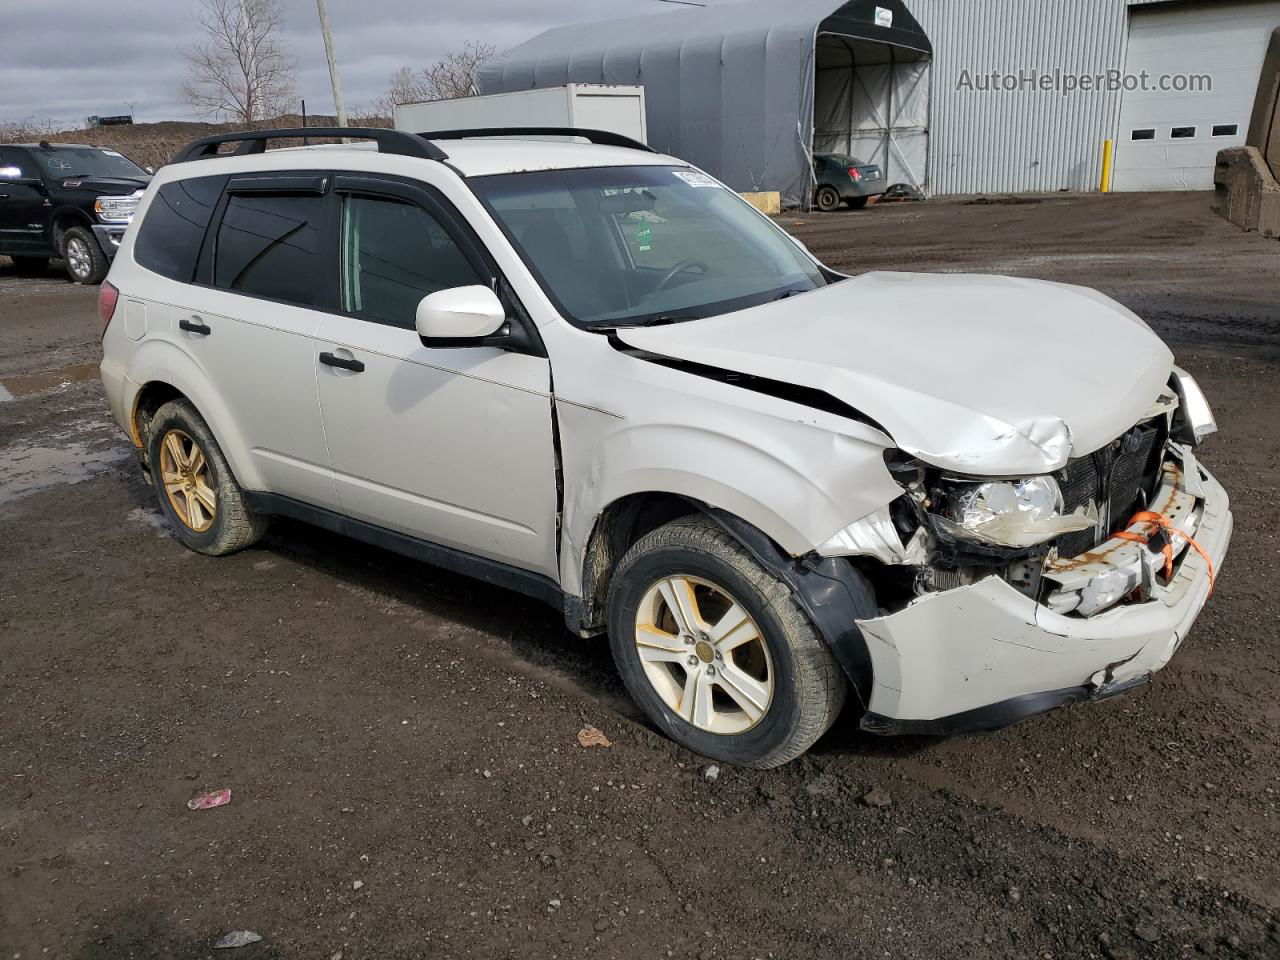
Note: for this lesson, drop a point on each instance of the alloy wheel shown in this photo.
(79, 257)
(185, 472)
(704, 655)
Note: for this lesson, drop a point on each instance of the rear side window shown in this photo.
(393, 255)
(170, 235)
(268, 245)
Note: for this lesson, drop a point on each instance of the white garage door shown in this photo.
(1169, 139)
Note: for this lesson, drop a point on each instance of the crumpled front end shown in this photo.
(985, 655)
(979, 636)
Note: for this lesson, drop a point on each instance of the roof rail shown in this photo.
(255, 141)
(603, 137)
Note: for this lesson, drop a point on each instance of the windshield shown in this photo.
(63, 162)
(614, 246)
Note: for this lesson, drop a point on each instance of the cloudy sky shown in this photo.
(68, 59)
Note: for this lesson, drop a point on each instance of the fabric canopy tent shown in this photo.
(735, 88)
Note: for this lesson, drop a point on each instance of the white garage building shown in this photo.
(1044, 140)
(1168, 140)
(1014, 96)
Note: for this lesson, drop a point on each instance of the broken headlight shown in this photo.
(1194, 420)
(1008, 513)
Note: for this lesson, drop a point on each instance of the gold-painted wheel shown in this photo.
(184, 470)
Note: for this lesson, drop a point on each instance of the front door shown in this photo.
(453, 446)
(22, 204)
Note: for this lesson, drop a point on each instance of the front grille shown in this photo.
(1133, 466)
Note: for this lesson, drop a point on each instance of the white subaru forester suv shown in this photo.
(593, 374)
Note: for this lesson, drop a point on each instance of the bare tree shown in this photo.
(447, 79)
(241, 73)
(455, 75)
(406, 87)
(29, 128)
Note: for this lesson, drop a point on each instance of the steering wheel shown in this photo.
(684, 266)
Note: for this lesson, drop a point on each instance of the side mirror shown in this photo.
(461, 317)
(150, 169)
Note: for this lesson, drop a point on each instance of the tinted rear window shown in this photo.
(170, 235)
(269, 246)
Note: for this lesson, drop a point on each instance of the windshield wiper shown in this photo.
(796, 291)
(661, 320)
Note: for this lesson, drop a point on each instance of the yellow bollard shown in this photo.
(1108, 156)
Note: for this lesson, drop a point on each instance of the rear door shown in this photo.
(250, 319)
(453, 446)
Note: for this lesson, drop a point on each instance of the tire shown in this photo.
(827, 198)
(86, 263)
(214, 522)
(856, 203)
(684, 682)
(30, 266)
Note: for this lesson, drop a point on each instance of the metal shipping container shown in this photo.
(588, 106)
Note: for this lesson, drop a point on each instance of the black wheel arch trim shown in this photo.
(833, 594)
(62, 219)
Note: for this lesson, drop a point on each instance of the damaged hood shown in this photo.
(984, 375)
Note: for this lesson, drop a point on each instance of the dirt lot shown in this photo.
(401, 742)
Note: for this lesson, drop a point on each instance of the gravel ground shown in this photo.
(402, 744)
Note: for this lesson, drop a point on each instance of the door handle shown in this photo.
(342, 363)
(194, 325)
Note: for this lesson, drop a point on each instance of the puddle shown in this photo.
(67, 448)
(29, 469)
(12, 388)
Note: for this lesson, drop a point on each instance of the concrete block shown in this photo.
(769, 203)
(1247, 192)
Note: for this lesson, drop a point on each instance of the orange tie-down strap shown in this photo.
(1159, 522)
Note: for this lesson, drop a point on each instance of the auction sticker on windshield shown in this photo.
(695, 179)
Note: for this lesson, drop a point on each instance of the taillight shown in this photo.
(855, 173)
(107, 297)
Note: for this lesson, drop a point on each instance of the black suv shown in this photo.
(66, 200)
